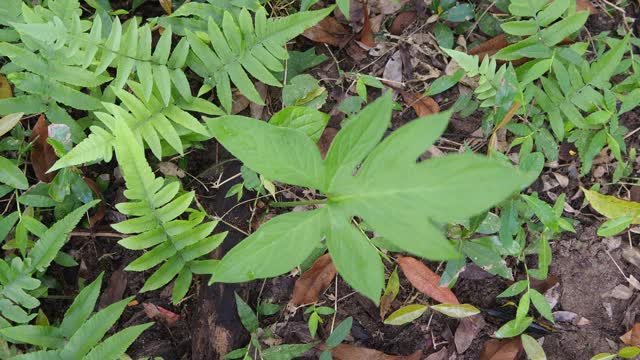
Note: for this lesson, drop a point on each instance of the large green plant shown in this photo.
(401, 199)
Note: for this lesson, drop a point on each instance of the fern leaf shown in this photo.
(154, 207)
(241, 48)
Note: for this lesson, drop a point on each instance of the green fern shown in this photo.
(16, 276)
(242, 46)
(154, 206)
(151, 119)
(193, 16)
(79, 335)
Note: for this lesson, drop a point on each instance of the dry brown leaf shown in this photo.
(314, 281)
(389, 7)
(425, 280)
(632, 255)
(328, 31)
(402, 21)
(257, 110)
(490, 47)
(115, 290)
(351, 352)
(422, 104)
(154, 311)
(467, 330)
(392, 73)
(240, 102)
(96, 216)
(366, 36)
(505, 349)
(42, 154)
(632, 337)
(170, 169)
(585, 5)
(5, 88)
(443, 354)
(325, 140)
(167, 6)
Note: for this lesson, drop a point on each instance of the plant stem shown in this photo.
(297, 203)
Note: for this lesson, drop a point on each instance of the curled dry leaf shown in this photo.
(426, 281)
(402, 21)
(328, 31)
(154, 311)
(351, 352)
(42, 154)
(467, 330)
(366, 36)
(115, 290)
(503, 349)
(632, 337)
(314, 281)
(422, 104)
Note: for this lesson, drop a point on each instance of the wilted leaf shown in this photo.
(314, 281)
(8, 122)
(390, 293)
(632, 337)
(366, 36)
(42, 154)
(99, 213)
(490, 47)
(351, 352)
(506, 349)
(115, 290)
(154, 311)
(426, 281)
(423, 105)
(582, 5)
(406, 314)
(170, 169)
(392, 73)
(166, 6)
(458, 311)
(402, 21)
(467, 330)
(5, 89)
(532, 348)
(612, 207)
(328, 31)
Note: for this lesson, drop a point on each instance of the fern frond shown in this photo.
(152, 120)
(154, 207)
(193, 16)
(80, 334)
(241, 47)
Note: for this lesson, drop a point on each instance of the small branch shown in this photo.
(297, 203)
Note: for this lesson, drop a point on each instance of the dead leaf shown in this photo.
(42, 154)
(402, 21)
(257, 110)
(240, 102)
(490, 47)
(314, 281)
(392, 73)
(585, 5)
(325, 140)
(389, 7)
(422, 104)
(115, 290)
(425, 280)
(328, 31)
(632, 255)
(366, 36)
(154, 311)
(443, 354)
(170, 169)
(543, 285)
(504, 349)
(351, 352)
(619, 292)
(5, 88)
(99, 214)
(632, 337)
(166, 6)
(467, 330)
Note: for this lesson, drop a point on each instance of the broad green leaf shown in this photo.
(292, 157)
(289, 238)
(460, 13)
(541, 304)
(532, 348)
(340, 332)
(614, 226)
(515, 289)
(445, 82)
(457, 311)
(114, 347)
(544, 259)
(629, 352)
(612, 207)
(483, 252)
(513, 328)
(406, 314)
(310, 121)
(355, 258)
(444, 36)
(81, 308)
(520, 28)
(523, 307)
(563, 28)
(247, 316)
(11, 175)
(43, 336)
(286, 351)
